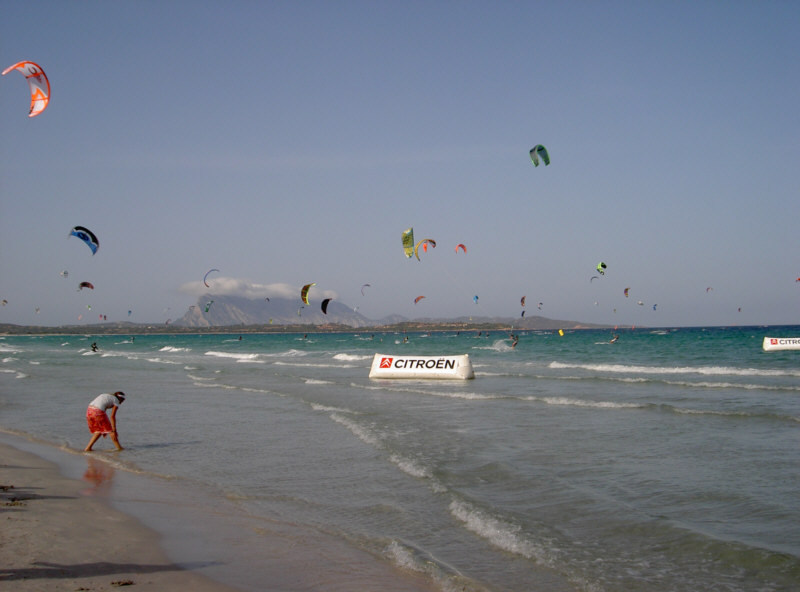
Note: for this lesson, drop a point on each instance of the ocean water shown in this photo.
(669, 460)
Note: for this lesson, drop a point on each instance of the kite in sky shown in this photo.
(418, 298)
(601, 268)
(362, 288)
(324, 305)
(83, 285)
(38, 83)
(86, 236)
(206, 275)
(304, 292)
(462, 247)
(538, 151)
(408, 242)
(424, 243)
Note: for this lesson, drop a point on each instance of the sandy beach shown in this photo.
(58, 537)
(62, 533)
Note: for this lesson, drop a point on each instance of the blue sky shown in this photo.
(292, 142)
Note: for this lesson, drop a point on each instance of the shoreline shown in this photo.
(159, 534)
(58, 535)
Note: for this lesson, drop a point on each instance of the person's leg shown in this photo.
(115, 439)
(94, 439)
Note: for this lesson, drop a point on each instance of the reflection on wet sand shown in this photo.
(99, 475)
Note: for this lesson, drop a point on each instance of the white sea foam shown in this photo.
(169, 348)
(351, 357)
(567, 401)
(364, 434)
(162, 361)
(193, 377)
(317, 381)
(250, 389)
(233, 356)
(409, 466)
(704, 370)
(501, 345)
(447, 577)
(403, 557)
(328, 408)
(502, 534)
(734, 385)
(460, 395)
(16, 372)
(291, 353)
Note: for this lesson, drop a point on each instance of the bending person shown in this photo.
(101, 424)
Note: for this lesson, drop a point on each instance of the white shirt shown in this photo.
(105, 401)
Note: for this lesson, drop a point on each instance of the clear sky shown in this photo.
(292, 142)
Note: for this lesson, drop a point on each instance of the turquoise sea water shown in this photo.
(669, 460)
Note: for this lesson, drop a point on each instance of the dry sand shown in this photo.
(55, 537)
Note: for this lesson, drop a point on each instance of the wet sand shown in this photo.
(57, 537)
(63, 533)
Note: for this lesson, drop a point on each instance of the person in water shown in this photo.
(101, 424)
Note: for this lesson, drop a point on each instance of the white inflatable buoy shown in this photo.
(779, 343)
(392, 366)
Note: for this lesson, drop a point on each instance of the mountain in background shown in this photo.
(238, 310)
(227, 311)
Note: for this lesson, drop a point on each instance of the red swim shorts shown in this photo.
(98, 421)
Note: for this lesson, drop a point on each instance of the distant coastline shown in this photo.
(537, 324)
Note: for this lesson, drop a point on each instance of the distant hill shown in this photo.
(237, 310)
(237, 313)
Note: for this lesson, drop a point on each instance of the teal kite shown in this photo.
(538, 151)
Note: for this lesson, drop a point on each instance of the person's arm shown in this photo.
(113, 418)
